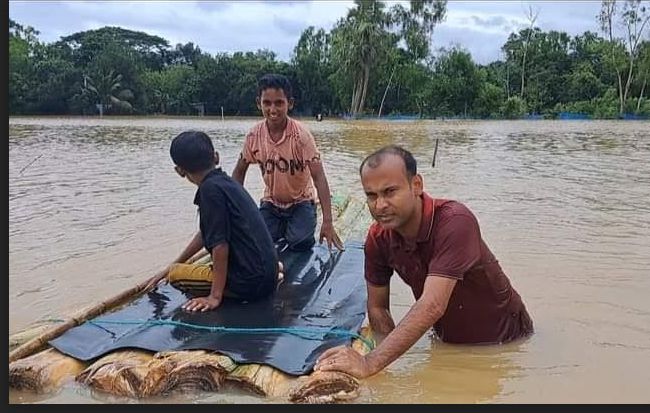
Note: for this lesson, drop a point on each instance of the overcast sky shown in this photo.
(221, 26)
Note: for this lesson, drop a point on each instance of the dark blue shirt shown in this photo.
(228, 214)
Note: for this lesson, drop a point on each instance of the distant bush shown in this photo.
(513, 108)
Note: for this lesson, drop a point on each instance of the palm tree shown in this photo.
(107, 88)
(364, 39)
(361, 37)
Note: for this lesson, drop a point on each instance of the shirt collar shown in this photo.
(426, 226)
(197, 195)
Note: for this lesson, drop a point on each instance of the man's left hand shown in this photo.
(346, 360)
(328, 232)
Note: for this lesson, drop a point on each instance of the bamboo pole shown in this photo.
(23, 336)
(37, 343)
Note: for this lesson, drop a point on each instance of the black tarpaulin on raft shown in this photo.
(321, 293)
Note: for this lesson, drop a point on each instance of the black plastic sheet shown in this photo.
(321, 291)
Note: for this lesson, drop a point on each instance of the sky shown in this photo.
(481, 27)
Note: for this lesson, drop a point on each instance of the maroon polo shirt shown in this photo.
(483, 308)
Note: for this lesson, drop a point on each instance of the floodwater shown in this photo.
(96, 207)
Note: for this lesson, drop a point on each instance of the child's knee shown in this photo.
(180, 273)
(303, 242)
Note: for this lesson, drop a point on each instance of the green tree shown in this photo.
(456, 82)
(311, 60)
(358, 42)
(56, 81)
(172, 90)
(106, 87)
(624, 52)
(643, 72)
(183, 54)
(489, 99)
(87, 45)
(513, 108)
(23, 42)
(363, 41)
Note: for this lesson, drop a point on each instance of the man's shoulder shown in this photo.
(449, 209)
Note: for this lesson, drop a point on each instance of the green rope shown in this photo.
(304, 332)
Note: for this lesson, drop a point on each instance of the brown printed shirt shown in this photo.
(284, 164)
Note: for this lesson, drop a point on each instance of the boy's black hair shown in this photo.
(192, 151)
(274, 81)
(374, 159)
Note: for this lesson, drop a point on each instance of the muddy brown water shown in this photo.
(96, 207)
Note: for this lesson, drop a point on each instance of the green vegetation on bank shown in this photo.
(375, 61)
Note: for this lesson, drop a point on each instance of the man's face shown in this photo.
(274, 105)
(392, 198)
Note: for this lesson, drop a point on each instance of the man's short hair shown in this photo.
(375, 159)
(274, 81)
(192, 151)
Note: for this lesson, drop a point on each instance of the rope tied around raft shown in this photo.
(313, 333)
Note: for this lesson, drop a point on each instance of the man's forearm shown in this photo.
(417, 321)
(381, 322)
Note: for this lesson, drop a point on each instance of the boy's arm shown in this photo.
(239, 173)
(327, 230)
(194, 246)
(219, 272)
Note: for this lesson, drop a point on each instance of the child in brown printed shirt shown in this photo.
(291, 167)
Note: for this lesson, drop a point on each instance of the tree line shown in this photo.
(375, 61)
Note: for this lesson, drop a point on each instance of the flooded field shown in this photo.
(96, 207)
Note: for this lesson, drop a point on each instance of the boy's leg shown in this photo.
(195, 279)
(301, 226)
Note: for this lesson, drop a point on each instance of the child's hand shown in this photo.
(156, 279)
(328, 232)
(202, 304)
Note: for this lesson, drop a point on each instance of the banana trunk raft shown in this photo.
(127, 371)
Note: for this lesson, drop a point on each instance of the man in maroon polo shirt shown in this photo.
(435, 246)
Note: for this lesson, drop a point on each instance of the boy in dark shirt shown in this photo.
(244, 261)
